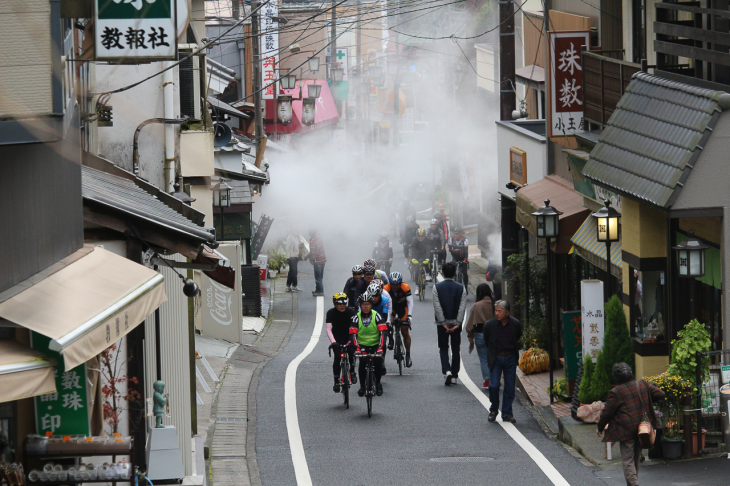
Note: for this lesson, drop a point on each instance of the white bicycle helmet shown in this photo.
(434, 221)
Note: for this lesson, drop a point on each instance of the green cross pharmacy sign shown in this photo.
(135, 30)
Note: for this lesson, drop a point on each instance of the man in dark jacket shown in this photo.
(626, 405)
(449, 305)
(502, 334)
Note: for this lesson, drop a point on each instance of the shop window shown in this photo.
(647, 297)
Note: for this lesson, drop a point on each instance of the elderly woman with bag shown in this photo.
(630, 407)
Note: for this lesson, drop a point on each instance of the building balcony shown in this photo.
(605, 78)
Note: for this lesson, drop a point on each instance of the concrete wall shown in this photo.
(509, 134)
(25, 66)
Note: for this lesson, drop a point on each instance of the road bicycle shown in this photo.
(462, 276)
(344, 371)
(369, 377)
(435, 267)
(384, 265)
(421, 277)
(399, 354)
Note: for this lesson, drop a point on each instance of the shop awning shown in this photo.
(587, 246)
(24, 372)
(88, 305)
(562, 197)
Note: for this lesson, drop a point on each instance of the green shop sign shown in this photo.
(66, 411)
(573, 344)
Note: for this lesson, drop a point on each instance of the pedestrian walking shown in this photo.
(481, 312)
(291, 248)
(317, 258)
(502, 334)
(627, 403)
(449, 305)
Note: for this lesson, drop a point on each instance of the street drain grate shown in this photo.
(462, 459)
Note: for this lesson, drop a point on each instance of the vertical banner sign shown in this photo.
(269, 37)
(566, 82)
(573, 345)
(221, 310)
(129, 30)
(342, 62)
(65, 412)
(592, 316)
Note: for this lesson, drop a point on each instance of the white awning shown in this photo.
(88, 305)
(24, 372)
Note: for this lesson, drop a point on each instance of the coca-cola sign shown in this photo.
(221, 309)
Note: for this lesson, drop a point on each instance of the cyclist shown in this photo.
(338, 320)
(400, 294)
(383, 305)
(440, 216)
(459, 248)
(350, 286)
(367, 330)
(420, 253)
(435, 235)
(383, 251)
(368, 270)
(407, 233)
(405, 209)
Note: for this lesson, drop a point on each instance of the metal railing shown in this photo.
(710, 415)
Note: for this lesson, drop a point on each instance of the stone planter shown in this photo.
(672, 449)
(284, 270)
(272, 273)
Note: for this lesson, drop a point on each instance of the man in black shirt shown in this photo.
(502, 334)
(338, 320)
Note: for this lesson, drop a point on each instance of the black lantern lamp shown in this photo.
(221, 194)
(608, 230)
(547, 219)
(691, 257)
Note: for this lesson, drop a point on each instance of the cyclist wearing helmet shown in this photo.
(441, 218)
(367, 330)
(420, 252)
(435, 235)
(338, 320)
(350, 286)
(383, 251)
(407, 233)
(459, 248)
(402, 305)
(382, 304)
(368, 270)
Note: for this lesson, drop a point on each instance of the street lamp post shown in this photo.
(547, 219)
(222, 199)
(608, 230)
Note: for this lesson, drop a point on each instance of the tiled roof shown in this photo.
(654, 137)
(124, 195)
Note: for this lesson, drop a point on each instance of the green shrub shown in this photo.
(584, 390)
(601, 380)
(617, 344)
(693, 338)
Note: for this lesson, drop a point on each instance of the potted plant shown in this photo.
(277, 259)
(676, 388)
(559, 390)
(534, 360)
(672, 443)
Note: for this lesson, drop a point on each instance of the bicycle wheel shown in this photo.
(421, 285)
(370, 389)
(398, 355)
(346, 382)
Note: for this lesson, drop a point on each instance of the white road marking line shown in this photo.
(301, 469)
(206, 388)
(198, 399)
(209, 369)
(552, 474)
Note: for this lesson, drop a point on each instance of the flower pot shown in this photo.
(672, 449)
(272, 273)
(694, 441)
(284, 269)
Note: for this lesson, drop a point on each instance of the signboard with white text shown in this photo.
(222, 317)
(135, 30)
(269, 30)
(566, 82)
(592, 317)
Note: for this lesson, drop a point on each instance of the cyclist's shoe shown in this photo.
(390, 343)
(379, 389)
(361, 391)
(353, 378)
(417, 291)
(336, 387)
(409, 363)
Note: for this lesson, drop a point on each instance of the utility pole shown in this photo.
(359, 65)
(507, 95)
(333, 54)
(396, 84)
(256, 45)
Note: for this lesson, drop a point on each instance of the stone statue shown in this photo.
(160, 403)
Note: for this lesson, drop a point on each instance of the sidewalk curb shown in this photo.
(253, 468)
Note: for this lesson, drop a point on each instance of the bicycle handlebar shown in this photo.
(369, 355)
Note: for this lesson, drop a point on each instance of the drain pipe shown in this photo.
(135, 144)
(168, 90)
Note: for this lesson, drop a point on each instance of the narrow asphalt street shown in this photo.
(421, 432)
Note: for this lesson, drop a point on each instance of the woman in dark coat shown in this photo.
(626, 405)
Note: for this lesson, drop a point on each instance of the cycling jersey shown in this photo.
(420, 250)
(459, 248)
(349, 290)
(435, 237)
(384, 307)
(368, 329)
(409, 231)
(383, 250)
(401, 298)
(382, 276)
(338, 324)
